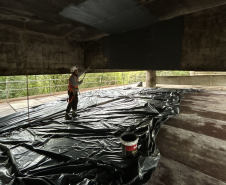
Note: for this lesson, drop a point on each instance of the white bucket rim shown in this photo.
(129, 143)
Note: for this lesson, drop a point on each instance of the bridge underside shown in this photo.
(48, 38)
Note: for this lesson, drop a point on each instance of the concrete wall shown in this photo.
(193, 80)
(201, 73)
(26, 53)
(204, 41)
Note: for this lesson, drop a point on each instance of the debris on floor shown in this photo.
(44, 149)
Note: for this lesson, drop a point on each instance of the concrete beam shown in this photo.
(195, 42)
(156, 47)
(204, 41)
(24, 53)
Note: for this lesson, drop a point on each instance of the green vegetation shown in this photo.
(37, 84)
(116, 78)
(16, 86)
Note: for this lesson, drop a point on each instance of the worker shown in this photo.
(73, 91)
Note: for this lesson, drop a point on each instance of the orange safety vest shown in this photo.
(71, 86)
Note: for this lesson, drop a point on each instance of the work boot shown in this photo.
(67, 117)
(74, 114)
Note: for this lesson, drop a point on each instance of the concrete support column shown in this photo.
(151, 78)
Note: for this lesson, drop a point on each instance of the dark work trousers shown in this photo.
(74, 102)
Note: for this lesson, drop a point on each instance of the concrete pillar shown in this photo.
(151, 78)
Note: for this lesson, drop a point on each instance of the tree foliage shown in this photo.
(16, 86)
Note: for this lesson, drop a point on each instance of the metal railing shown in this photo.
(8, 89)
(50, 86)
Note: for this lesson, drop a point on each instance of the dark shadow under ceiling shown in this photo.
(84, 20)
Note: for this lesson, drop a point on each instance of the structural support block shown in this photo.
(24, 53)
(151, 78)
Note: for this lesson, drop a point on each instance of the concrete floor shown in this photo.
(19, 104)
(193, 144)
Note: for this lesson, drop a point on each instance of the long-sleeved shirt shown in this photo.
(74, 82)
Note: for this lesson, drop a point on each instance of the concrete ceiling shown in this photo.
(84, 20)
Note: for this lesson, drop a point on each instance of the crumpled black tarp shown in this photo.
(45, 149)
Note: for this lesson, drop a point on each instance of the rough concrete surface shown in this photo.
(169, 172)
(76, 19)
(204, 40)
(193, 144)
(5, 109)
(193, 42)
(24, 53)
(43, 17)
(200, 152)
(190, 42)
(210, 80)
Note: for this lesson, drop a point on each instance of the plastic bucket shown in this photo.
(129, 144)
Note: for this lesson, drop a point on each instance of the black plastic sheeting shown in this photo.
(45, 149)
